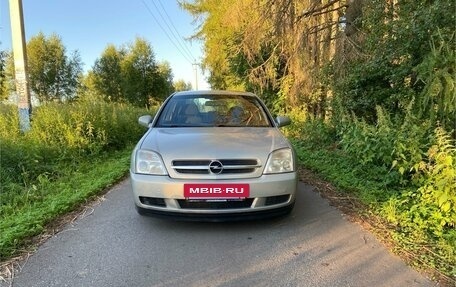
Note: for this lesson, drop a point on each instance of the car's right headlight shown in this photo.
(149, 162)
(280, 161)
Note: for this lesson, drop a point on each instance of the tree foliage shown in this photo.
(276, 48)
(389, 58)
(379, 77)
(53, 74)
(3, 80)
(131, 73)
(181, 85)
(164, 81)
(313, 54)
(107, 73)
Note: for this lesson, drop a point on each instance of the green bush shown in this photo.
(438, 74)
(394, 144)
(87, 127)
(72, 151)
(298, 118)
(9, 122)
(66, 132)
(425, 215)
(62, 136)
(369, 143)
(404, 169)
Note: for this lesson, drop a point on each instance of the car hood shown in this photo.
(214, 143)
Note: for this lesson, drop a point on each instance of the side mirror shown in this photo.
(145, 120)
(282, 121)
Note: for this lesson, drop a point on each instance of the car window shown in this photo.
(213, 111)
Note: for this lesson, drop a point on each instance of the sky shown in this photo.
(88, 26)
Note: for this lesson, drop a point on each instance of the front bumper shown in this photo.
(162, 196)
(217, 217)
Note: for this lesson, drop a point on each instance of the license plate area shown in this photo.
(219, 191)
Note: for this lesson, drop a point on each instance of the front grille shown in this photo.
(229, 204)
(230, 166)
(191, 162)
(191, 171)
(271, 200)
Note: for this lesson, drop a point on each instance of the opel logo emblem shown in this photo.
(216, 167)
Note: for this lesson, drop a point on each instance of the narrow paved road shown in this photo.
(314, 246)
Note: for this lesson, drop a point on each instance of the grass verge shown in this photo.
(359, 191)
(72, 189)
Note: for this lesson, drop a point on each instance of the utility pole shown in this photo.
(20, 63)
(195, 69)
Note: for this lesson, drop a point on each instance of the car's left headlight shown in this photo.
(280, 161)
(149, 162)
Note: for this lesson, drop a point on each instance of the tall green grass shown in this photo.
(403, 168)
(71, 152)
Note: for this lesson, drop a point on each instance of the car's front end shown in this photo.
(214, 171)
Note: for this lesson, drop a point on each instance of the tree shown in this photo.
(181, 85)
(88, 91)
(276, 48)
(107, 73)
(164, 83)
(53, 75)
(3, 79)
(131, 74)
(219, 31)
(139, 71)
(362, 53)
(394, 52)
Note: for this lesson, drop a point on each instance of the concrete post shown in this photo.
(20, 63)
(195, 70)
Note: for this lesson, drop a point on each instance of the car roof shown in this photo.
(212, 92)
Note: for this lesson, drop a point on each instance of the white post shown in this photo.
(195, 69)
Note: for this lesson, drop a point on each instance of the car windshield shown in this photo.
(213, 111)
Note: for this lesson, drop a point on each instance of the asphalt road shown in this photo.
(314, 246)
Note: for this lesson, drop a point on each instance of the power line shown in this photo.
(178, 39)
(174, 28)
(166, 33)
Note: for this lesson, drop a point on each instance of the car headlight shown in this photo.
(149, 162)
(280, 161)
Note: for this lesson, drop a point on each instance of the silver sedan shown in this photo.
(213, 156)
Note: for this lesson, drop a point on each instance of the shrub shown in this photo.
(432, 206)
(394, 144)
(9, 122)
(437, 72)
(403, 169)
(62, 135)
(87, 127)
(426, 214)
